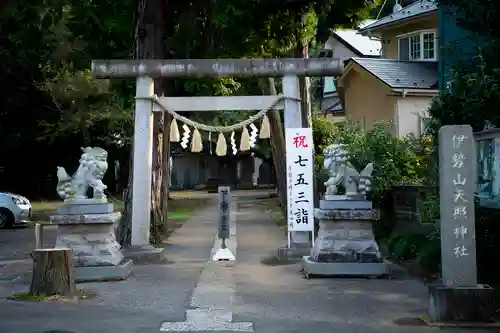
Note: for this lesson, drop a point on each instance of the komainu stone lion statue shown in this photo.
(93, 166)
(341, 171)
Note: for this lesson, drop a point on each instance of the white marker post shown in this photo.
(224, 224)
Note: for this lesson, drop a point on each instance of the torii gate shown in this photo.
(145, 70)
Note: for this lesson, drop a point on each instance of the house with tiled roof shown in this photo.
(399, 86)
(344, 44)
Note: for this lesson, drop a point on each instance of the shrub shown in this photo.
(323, 135)
(395, 160)
(429, 209)
(429, 256)
(405, 246)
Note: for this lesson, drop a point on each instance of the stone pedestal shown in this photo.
(89, 230)
(345, 244)
(455, 304)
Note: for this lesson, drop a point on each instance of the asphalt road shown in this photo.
(252, 294)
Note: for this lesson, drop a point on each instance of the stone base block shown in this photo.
(345, 204)
(91, 208)
(92, 244)
(145, 254)
(346, 241)
(85, 201)
(293, 254)
(347, 214)
(312, 268)
(346, 250)
(103, 273)
(454, 304)
(60, 219)
(335, 197)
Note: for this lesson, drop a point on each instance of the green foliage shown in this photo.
(429, 209)
(323, 135)
(474, 90)
(405, 246)
(395, 160)
(323, 132)
(409, 246)
(424, 250)
(429, 256)
(52, 104)
(342, 13)
(263, 148)
(471, 98)
(86, 106)
(391, 241)
(478, 16)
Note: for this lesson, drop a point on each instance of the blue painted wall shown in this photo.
(455, 43)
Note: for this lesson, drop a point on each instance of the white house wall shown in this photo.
(343, 53)
(339, 49)
(410, 112)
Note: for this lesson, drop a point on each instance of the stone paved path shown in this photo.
(193, 294)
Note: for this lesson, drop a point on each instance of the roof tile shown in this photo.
(402, 74)
(415, 9)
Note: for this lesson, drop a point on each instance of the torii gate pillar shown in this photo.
(293, 119)
(142, 162)
(145, 70)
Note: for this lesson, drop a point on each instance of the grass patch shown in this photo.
(181, 209)
(41, 210)
(28, 297)
(178, 209)
(273, 208)
(178, 216)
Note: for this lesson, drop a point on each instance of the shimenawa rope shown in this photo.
(219, 129)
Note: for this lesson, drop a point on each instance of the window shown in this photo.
(328, 81)
(425, 122)
(417, 46)
(326, 54)
(329, 85)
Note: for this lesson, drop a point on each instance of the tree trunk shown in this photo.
(167, 120)
(150, 42)
(124, 228)
(157, 223)
(52, 273)
(302, 51)
(278, 147)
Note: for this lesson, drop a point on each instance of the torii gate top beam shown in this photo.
(217, 67)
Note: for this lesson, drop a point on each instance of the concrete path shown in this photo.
(194, 294)
(277, 298)
(154, 294)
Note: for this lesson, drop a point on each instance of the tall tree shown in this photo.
(150, 43)
(48, 45)
(473, 93)
(292, 26)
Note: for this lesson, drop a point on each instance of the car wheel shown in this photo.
(6, 218)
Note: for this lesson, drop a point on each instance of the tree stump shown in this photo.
(52, 272)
